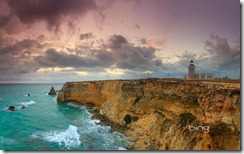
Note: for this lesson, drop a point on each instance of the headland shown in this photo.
(165, 114)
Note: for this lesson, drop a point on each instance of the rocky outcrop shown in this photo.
(52, 91)
(166, 114)
(11, 108)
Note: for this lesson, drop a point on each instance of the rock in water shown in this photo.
(11, 108)
(52, 91)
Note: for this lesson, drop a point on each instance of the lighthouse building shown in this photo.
(192, 74)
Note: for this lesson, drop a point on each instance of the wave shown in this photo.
(110, 140)
(4, 140)
(68, 138)
(76, 105)
(94, 122)
(84, 109)
(28, 103)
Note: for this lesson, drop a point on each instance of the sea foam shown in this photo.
(68, 138)
(28, 103)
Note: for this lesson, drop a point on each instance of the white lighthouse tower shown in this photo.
(191, 70)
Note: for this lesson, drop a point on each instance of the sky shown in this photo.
(48, 41)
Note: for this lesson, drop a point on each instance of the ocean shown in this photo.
(46, 125)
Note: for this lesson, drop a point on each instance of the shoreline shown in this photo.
(104, 121)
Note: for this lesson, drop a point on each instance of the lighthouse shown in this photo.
(191, 70)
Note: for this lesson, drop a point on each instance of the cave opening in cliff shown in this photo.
(127, 119)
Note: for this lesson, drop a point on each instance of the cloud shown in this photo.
(86, 36)
(99, 18)
(30, 11)
(136, 58)
(14, 67)
(227, 58)
(52, 12)
(117, 41)
(82, 73)
(54, 58)
(115, 57)
(54, 69)
(217, 45)
(152, 41)
(136, 26)
(143, 41)
(20, 48)
(115, 71)
(117, 54)
(187, 55)
(17, 57)
(129, 56)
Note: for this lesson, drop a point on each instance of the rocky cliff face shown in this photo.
(168, 114)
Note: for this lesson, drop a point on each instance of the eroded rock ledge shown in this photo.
(158, 112)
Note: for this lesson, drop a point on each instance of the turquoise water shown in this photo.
(46, 125)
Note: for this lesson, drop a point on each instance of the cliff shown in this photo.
(166, 114)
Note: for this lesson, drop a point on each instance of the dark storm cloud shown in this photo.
(4, 20)
(217, 45)
(129, 56)
(54, 58)
(226, 57)
(104, 56)
(14, 67)
(121, 54)
(50, 11)
(117, 41)
(86, 36)
(16, 60)
(20, 58)
(20, 47)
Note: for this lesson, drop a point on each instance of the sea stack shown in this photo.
(11, 108)
(52, 91)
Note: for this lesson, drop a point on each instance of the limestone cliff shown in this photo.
(164, 114)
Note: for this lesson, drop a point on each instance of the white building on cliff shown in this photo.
(192, 75)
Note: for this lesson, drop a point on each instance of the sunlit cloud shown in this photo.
(53, 69)
(115, 71)
(81, 73)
